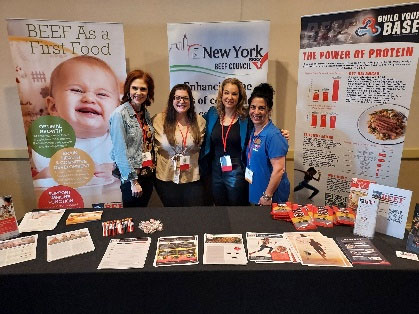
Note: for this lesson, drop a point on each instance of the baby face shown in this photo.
(84, 95)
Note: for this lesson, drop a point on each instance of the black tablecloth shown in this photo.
(75, 285)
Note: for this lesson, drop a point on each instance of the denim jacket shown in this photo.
(127, 140)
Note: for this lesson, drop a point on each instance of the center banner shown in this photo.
(69, 77)
(202, 55)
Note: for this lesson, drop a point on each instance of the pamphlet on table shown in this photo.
(268, 248)
(18, 250)
(69, 244)
(224, 249)
(125, 253)
(78, 218)
(41, 220)
(176, 250)
(361, 251)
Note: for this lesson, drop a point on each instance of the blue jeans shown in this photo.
(229, 188)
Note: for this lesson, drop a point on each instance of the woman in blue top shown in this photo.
(266, 151)
(223, 153)
(132, 137)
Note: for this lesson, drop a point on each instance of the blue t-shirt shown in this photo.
(267, 145)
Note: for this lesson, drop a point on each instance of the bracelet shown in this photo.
(266, 197)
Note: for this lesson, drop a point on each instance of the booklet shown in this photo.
(40, 221)
(268, 248)
(18, 250)
(361, 251)
(413, 237)
(366, 217)
(224, 249)
(78, 218)
(8, 222)
(69, 244)
(392, 209)
(176, 250)
(125, 253)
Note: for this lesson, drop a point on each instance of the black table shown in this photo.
(75, 285)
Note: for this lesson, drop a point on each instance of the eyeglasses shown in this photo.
(179, 98)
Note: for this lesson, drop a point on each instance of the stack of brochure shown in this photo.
(41, 220)
(126, 253)
(315, 249)
(69, 244)
(269, 248)
(177, 250)
(224, 249)
(18, 250)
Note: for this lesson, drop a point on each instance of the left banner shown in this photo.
(69, 77)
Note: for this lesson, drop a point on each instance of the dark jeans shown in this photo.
(179, 195)
(130, 201)
(304, 184)
(229, 188)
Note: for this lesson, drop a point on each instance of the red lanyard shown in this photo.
(224, 139)
(184, 137)
(137, 115)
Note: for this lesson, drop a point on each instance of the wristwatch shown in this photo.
(266, 197)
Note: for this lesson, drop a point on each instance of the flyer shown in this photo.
(40, 220)
(125, 253)
(176, 250)
(69, 244)
(18, 250)
(78, 218)
(268, 248)
(224, 249)
(361, 251)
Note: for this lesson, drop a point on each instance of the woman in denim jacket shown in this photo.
(132, 137)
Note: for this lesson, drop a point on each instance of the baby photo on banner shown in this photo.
(202, 55)
(355, 82)
(69, 77)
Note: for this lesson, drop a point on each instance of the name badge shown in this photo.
(147, 161)
(185, 162)
(248, 175)
(225, 162)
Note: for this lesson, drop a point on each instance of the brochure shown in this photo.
(224, 249)
(125, 253)
(361, 251)
(69, 244)
(366, 217)
(18, 250)
(40, 221)
(176, 250)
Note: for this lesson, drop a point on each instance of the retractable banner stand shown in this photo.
(69, 77)
(202, 55)
(355, 83)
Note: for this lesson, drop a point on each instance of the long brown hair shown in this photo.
(131, 77)
(169, 126)
(240, 108)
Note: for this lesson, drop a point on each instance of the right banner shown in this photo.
(355, 81)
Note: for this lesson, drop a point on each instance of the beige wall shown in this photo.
(146, 48)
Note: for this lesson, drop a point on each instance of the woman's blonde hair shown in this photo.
(240, 107)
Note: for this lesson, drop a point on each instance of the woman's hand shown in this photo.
(264, 202)
(136, 189)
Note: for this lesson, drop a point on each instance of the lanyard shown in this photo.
(183, 137)
(137, 115)
(224, 139)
